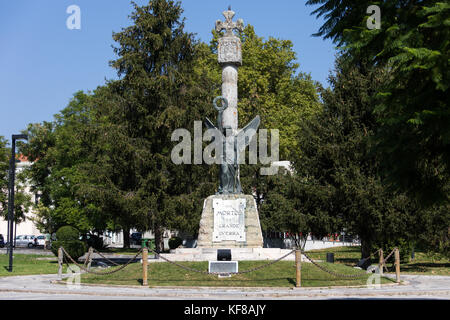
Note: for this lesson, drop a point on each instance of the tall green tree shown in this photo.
(336, 163)
(22, 198)
(412, 105)
(161, 88)
(57, 149)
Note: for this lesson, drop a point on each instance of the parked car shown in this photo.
(39, 241)
(2, 241)
(24, 241)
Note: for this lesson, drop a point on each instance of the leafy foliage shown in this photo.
(68, 238)
(57, 150)
(412, 106)
(337, 171)
(22, 199)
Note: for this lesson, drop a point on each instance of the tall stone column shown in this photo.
(229, 218)
(230, 92)
(230, 58)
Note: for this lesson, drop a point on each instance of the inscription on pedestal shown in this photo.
(229, 220)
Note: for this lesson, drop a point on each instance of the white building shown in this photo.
(27, 227)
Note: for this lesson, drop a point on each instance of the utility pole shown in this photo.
(12, 177)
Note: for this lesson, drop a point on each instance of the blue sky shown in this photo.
(43, 63)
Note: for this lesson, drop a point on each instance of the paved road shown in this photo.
(41, 287)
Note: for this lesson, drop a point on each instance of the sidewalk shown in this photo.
(44, 287)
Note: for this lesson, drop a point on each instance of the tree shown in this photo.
(22, 199)
(161, 88)
(57, 150)
(412, 106)
(339, 172)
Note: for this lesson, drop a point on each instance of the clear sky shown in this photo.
(43, 63)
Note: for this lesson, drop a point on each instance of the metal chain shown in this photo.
(338, 275)
(390, 254)
(224, 273)
(266, 265)
(101, 255)
(385, 259)
(181, 266)
(101, 273)
(371, 255)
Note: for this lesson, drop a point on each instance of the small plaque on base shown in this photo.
(226, 267)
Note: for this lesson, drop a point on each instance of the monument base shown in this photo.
(239, 226)
(237, 254)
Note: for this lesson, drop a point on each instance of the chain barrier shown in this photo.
(390, 254)
(340, 275)
(100, 273)
(223, 273)
(105, 258)
(386, 259)
(337, 275)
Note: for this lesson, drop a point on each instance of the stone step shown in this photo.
(237, 254)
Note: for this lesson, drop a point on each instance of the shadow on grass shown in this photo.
(422, 266)
(351, 261)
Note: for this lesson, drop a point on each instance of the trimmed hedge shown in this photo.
(68, 238)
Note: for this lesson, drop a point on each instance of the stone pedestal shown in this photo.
(230, 221)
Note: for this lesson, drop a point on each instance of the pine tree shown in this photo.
(162, 87)
(412, 105)
(337, 170)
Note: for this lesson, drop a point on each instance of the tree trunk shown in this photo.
(126, 238)
(159, 241)
(366, 248)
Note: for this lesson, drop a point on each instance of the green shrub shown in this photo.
(175, 242)
(67, 233)
(68, 238)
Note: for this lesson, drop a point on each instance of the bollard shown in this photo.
(60, 263)
(397, 264)
(144, 266)
(298, 264)
(381, 262)
(90, 254)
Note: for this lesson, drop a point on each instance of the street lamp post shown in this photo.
(12, 176)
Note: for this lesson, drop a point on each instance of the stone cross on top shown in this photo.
(228, 25)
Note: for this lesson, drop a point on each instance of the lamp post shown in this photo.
(12, 176)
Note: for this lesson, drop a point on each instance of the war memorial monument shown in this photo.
(230, 218)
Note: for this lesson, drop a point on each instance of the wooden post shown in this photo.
(144, 266)
(90, 254)
(298, 264)
(381, 262)
(60, 263)
(397, 264)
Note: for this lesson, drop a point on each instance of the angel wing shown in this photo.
(246, 135)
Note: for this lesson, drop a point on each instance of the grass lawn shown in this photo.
(422, 264)
(28, 264)
(281, 274)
